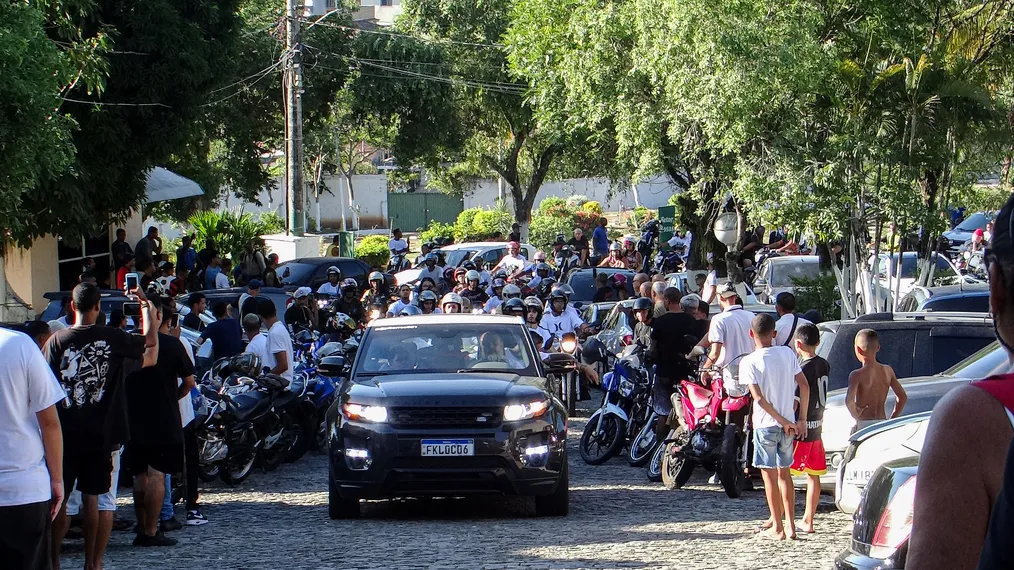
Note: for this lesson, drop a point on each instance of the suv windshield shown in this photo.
(458, 256)
(583, 284)
(992, 359)
(295, 273)
(782, 274)
(446, 348)
(973, 222)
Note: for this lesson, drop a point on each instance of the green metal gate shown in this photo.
(414, 211)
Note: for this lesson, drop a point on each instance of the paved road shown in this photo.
(617, 520)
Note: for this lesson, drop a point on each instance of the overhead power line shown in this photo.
(418, 38)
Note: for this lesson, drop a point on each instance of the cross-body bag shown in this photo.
(792, 331)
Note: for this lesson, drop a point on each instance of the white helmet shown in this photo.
(511, 290)
(451, 299)
(472, 275)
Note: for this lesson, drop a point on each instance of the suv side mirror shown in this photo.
(332, 366)
(559, 363)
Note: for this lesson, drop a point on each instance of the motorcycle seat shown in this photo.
(284, 399)
(250, 404)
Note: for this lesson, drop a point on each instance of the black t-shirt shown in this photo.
(90, 363)
(668, 332)
(152, 395)
(249, 306)
(205, 256)
(297, 317)
(578, 245)
(701, 328)
(514, 237)
(816, 370)
(603, 294)
(119, 249)
(193, 322)
(353, 308)
(477, 297)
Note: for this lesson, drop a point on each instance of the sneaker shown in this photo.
(160, 539)
(196, 518)
(169, 525)
(714, 480)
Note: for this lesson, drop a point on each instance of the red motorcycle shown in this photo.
(712, 430)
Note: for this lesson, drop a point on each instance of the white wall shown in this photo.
(371, 199)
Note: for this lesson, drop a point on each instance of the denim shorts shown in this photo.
(772, 448)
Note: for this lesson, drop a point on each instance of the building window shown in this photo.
(71, 253)
(330, 5)
(386, 3)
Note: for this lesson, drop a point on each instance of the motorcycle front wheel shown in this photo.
(644, 444)
(236, 469)
(676, 468)
(731, 471)
(209, 473)
(599, 445)
(654, 468)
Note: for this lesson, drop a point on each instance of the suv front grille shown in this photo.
(444, 417)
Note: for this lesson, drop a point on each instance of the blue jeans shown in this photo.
(167, 502)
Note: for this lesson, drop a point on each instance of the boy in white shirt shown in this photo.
(773, 374)
(258, 342)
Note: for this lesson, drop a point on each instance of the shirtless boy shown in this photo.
(867, 394)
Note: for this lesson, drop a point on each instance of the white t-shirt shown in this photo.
(541, 333)
(27, 386)
(513, 264)
(186, 403)
(492, 304)
(774, 370)
(397, 307)
(397, 244)
(783, 328)
(259, 345)
(731, 327)
(327, 288)
(437, 274)
(280, 341)
(566, 322)
(222, 281)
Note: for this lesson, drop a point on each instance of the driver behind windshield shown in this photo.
(493, 350)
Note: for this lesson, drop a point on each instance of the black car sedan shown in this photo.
(312, 272)
(883, 523)
(447, 405)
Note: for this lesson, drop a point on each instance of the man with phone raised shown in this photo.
(90, 361)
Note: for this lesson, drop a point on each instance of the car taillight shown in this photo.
(895, 524)
(627, 339)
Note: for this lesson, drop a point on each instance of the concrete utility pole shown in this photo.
(293, 83)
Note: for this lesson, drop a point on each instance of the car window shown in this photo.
(943, 273)
(352, 268)
(970, 304)
(973, 222)
(493, 256)
(948, 350)
(783, 274)
(897, 349)
(53, 311)
(976, 266)
(990, 360)
(437, 348)
(908, 304)
(611, 318)
(583, 283)
(295, 273)
(455, 258)
(909, 266)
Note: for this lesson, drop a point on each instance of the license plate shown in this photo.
(858, 476)
(447, 447)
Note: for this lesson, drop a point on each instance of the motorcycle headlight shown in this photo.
(516, 412)
(376, 414)
(568, 345)
(626, 388)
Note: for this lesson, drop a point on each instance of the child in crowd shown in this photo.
(809, 452)
(773, 373)
(867, 394)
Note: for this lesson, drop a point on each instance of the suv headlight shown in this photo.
(516, 412)
(376, 414)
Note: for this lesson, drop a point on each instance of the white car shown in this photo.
(872, 447)
(889, 278)
(488, 252)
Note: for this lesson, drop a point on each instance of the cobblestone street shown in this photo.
(617, 520)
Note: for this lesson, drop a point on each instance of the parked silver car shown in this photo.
(776, 275)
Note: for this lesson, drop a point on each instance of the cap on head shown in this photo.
(254, 284)
(302, 292)
(728, 291)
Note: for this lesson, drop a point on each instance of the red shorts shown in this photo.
(808, 457)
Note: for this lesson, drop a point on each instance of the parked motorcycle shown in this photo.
(398, 262)
(625, 405)
(666, 262)
(713, 431)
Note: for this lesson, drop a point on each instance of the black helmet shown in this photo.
(556, 295)
(546, 285)
(246, 364)
(468, 265)
(643, 304)
(513, 306)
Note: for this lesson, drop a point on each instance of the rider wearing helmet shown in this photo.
(300, 314)
(644, 311)
(332, 287)
(533, 316)
(496, 299)
(349, 302)
(630, 255)
(513, 262)
(615, 258)
(404, 299)
(560, 318)
(428, 303)
(432, 270)
(459, 279)
(511, 291)
(547, 285)
(377, 309)
(378, 288)
(451, 303)
(340, 327)
(514, 307)
(475, 295)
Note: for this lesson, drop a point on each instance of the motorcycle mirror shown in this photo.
(332, 366)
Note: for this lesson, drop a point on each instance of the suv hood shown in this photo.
(446, 389)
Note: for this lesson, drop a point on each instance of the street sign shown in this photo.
(667, 223)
